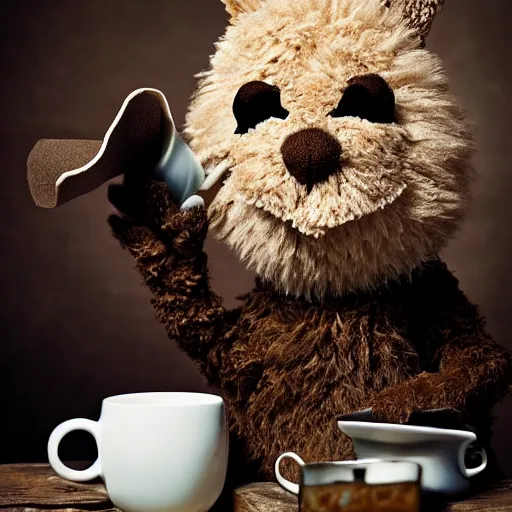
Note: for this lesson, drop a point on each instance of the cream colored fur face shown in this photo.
(401, 189)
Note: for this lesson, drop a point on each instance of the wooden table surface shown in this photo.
(35, 487)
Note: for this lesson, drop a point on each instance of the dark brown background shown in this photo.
(75, 323)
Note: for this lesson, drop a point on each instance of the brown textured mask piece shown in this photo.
(61, 170)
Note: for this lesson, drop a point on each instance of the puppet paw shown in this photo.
(151, 210)
(391, 412)
(140, 240)
(397, 403)
(186, 231)
(149, 202)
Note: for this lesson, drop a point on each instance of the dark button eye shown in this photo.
(368, 97)
(256, 102)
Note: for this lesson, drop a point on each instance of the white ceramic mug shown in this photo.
(157, 452)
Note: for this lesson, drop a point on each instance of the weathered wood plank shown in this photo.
(269, 497)
(264, 497)
(497, 499)
(33, 485)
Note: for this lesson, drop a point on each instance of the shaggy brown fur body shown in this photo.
(288, 366)
(349, 168)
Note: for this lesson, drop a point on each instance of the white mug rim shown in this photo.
(163, 399)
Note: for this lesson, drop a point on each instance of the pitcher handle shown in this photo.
(469, 472)
(286, 484)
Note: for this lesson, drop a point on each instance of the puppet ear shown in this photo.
(419, 14)
(237, 7)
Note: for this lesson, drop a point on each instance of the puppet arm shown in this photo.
(167, 245)
(467, 370)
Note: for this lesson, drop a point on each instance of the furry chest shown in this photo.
(291, 352)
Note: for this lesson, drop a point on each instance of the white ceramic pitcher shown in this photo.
(440, 452)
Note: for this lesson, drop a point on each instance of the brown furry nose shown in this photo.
(311, 156)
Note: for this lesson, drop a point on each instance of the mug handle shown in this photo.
(469, 472)
(286, 484)
(53, 450)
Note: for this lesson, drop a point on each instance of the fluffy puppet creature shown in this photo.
(349, 169)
